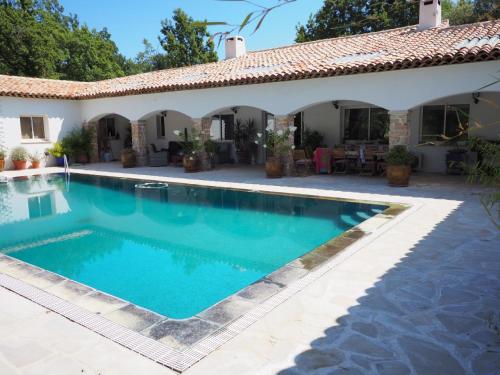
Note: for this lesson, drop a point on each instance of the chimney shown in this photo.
(235, 47)
(429, 14)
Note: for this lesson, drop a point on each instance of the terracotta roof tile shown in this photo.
(401, 48)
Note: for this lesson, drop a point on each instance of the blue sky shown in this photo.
(130, 21)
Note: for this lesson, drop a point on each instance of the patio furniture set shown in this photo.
(343, 159)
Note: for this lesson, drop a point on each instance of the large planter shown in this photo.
(129, 159)
(2, 164)
(191, 164)
(60, 161)
(19, 164)
(398, 175)
(274, 167)
(35, 164)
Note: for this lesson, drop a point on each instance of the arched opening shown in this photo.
(442, 126)
(113, 134)
(163, 145)
(338, 122)
(234, 130)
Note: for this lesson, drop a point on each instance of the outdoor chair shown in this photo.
(302, 164)
(339, 160)
(352, 157)
(157, 158)
(367, 160)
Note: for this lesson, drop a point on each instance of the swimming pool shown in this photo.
(173, 249)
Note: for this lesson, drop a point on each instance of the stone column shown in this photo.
(139, 141)
(283, 122)
(399, 128)
(202, 126)
(94, 152)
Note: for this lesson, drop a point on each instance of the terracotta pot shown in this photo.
(19, 164)
(82, 158)
(35, 164)
(2, 164)
(191, 164)
(129, 159)
(274, 167)
(398, 175)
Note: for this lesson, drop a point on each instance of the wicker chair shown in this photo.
(157, 158)
(303, 165)
(339, 160)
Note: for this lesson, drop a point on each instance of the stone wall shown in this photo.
(139, 141)
(399, 128)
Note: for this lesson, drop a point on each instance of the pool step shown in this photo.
(47, 241)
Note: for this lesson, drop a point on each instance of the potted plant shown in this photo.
(278, 146)
(19, 157)
(211, 152)
(35, 160)
(57, 151)
(399, 161)
(192, 147)
(78, 143)
(311, 141)
(129, 158)
(2, 159)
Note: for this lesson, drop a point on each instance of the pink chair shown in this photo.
(323, 160)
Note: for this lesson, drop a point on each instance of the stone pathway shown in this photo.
(422, 298)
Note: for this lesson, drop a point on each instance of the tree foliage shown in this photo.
(348, 17)
(185, 41)
(39, 40)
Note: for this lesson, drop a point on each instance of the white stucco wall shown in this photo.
(61, 116)
(175, 121)
(396, 90)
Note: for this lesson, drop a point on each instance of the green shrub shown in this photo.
(19, 154)
(399, 155)
(78, 141)
(57, 150)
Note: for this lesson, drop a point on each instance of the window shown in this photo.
(443, 121)
(222, 127)
(368, 124)
(32, 127)
(298, 135)
(160, 127)
(110, 127)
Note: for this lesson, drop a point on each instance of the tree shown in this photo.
(347, 17)
(149, 59)
(39, 40)
(185, 41)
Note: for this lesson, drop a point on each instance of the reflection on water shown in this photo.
(176, 250)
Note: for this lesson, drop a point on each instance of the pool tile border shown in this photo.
(218, 324)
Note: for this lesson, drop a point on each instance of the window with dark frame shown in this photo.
(442, 122)
(160, 127)
(32, 127)
(367, 124)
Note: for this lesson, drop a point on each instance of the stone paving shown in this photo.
(422, 298)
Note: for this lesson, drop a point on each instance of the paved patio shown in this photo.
(423, 297)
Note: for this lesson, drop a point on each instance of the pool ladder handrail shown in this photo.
(67, 174)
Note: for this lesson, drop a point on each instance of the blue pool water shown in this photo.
(175, 250)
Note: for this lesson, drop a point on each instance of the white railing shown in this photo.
(66, 172)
